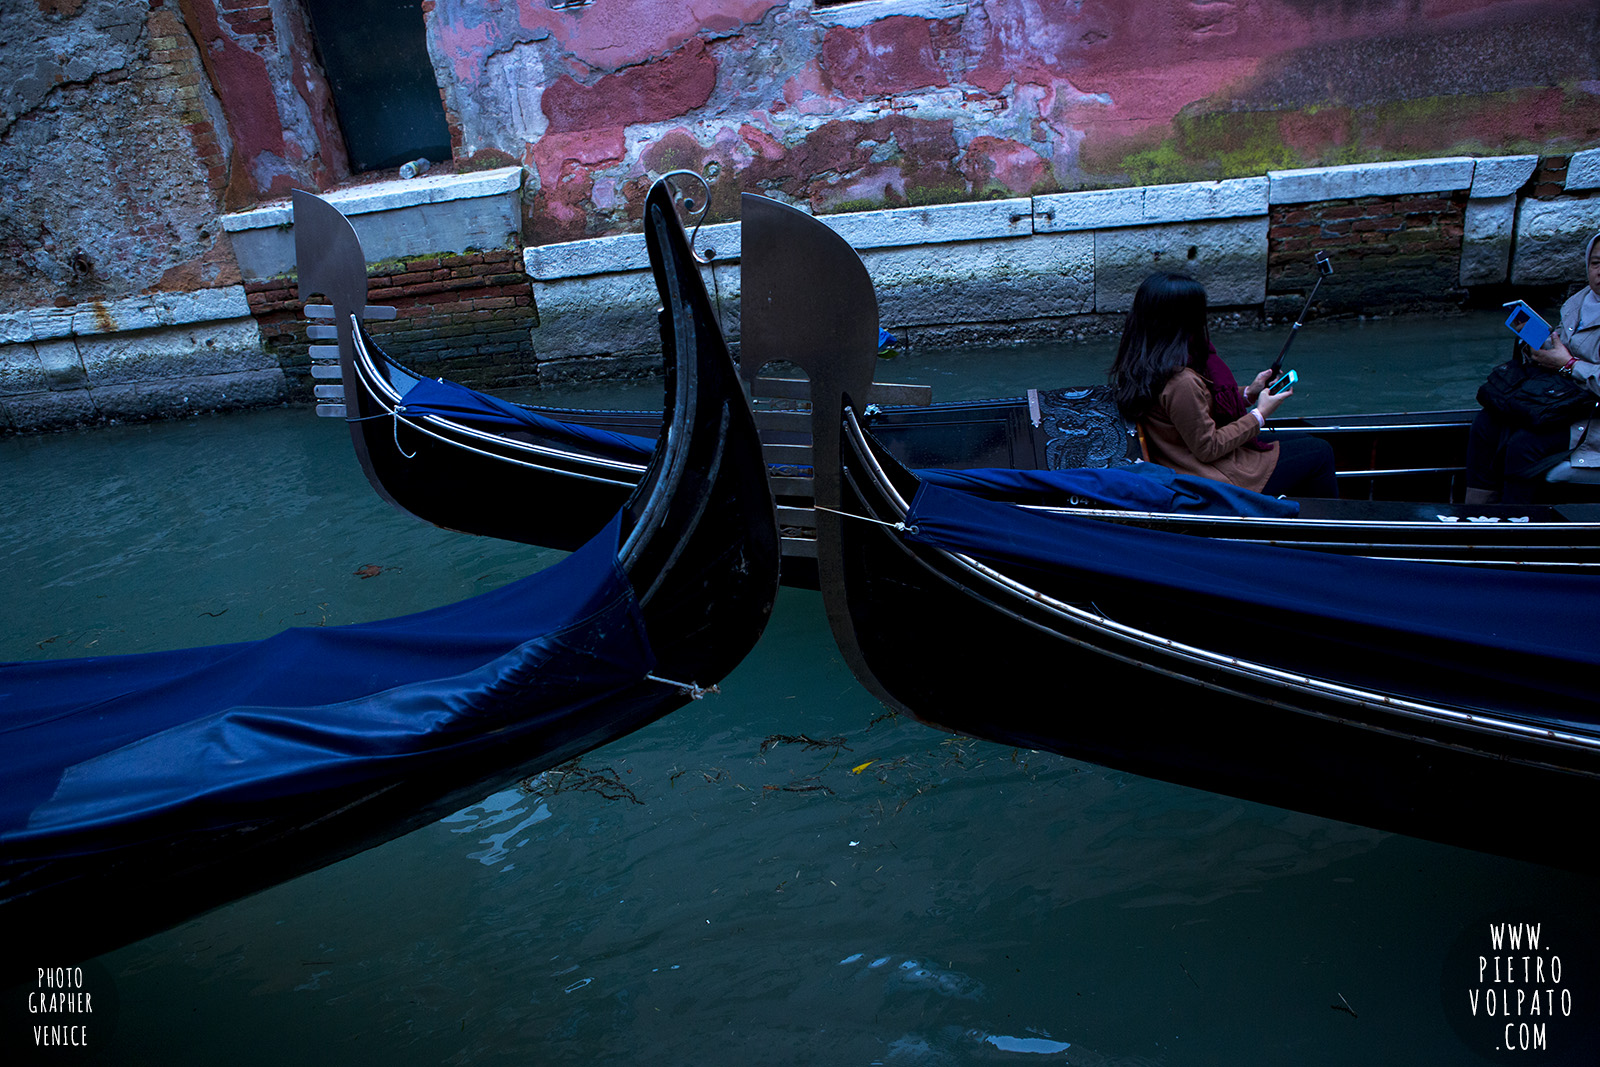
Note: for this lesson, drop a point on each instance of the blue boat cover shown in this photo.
(450, 400)
(1480, 626)
(106, 743)
(1139, 487)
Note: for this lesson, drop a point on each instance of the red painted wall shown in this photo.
(942, 100)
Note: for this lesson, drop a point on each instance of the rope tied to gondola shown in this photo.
(398, 447)
(900, 527)
(394, 414)
(693, 691)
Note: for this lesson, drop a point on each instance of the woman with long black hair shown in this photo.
(1197, 420)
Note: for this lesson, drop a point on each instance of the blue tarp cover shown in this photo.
(1506, 627)
(103, 743)
(435, 396)
(1140, 487)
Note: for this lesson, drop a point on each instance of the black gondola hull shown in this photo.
(699, 556)
(1100, 672)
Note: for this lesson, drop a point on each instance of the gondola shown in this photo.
(538, 474)
(141, 790)
(446, 454)
(1401, 475)
(1439, 701)
(1434, 699)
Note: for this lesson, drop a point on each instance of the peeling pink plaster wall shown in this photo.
(997, 98)
(281, 139)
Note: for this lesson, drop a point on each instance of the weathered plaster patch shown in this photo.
(994, 163)
(466, 45)
(609, 36)
(895, 55)
(651, 92)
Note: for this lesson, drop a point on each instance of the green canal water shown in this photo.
(716, 890)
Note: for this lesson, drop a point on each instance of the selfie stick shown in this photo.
(1324, 268)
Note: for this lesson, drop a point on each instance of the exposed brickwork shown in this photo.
(176, 67)
(110, 162)
(1394, 252)
(1550, 177)
(468, 318)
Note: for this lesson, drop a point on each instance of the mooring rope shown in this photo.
(395, 415)
(694, 691)
(900, 526)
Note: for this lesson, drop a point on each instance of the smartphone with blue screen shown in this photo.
(1284, 381)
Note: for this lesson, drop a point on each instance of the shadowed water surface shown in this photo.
(776, 874)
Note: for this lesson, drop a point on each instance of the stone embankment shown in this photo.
(474, 304)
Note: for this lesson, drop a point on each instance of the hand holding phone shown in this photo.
(1284, 381)
(1526, 324)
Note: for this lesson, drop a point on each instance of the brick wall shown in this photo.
(1550, 178)
(1400, 253)
(468, 318)
(175, 61)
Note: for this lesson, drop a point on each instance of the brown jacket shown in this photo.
(1181, 433)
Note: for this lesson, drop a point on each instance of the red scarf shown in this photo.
(1227, 399)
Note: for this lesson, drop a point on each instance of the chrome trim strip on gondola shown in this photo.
(1288, 680)
(384, 392)
(1483, 550)
(1313, 426)
(1313, 523)
(1389, 472)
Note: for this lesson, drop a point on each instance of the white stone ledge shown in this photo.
(444, 214)
(935, 224)
(388, 196)
(1370, 179)
(862, 12)
(619, 253)
(890, 228)
(148, 312)
(1149, 205)
(1584, 170)
(1496, 176)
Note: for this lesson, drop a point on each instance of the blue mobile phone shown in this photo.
(1526, 324)
(1284, 381)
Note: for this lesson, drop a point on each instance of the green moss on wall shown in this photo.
(1206, 146)
(1202, 147)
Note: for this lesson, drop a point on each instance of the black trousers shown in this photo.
(1305, 468)
(1511, 458)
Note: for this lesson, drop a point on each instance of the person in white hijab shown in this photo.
(1505, 463)
(1574, 348)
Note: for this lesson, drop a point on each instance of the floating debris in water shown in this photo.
(573, 777)
(775, 740)
(802, 785)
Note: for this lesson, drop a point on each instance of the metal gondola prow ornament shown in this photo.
(808, 300)
(329, 261)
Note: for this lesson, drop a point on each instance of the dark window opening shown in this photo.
(376, 58)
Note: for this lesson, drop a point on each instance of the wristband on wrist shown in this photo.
(1259, 417)
(1571, 362)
